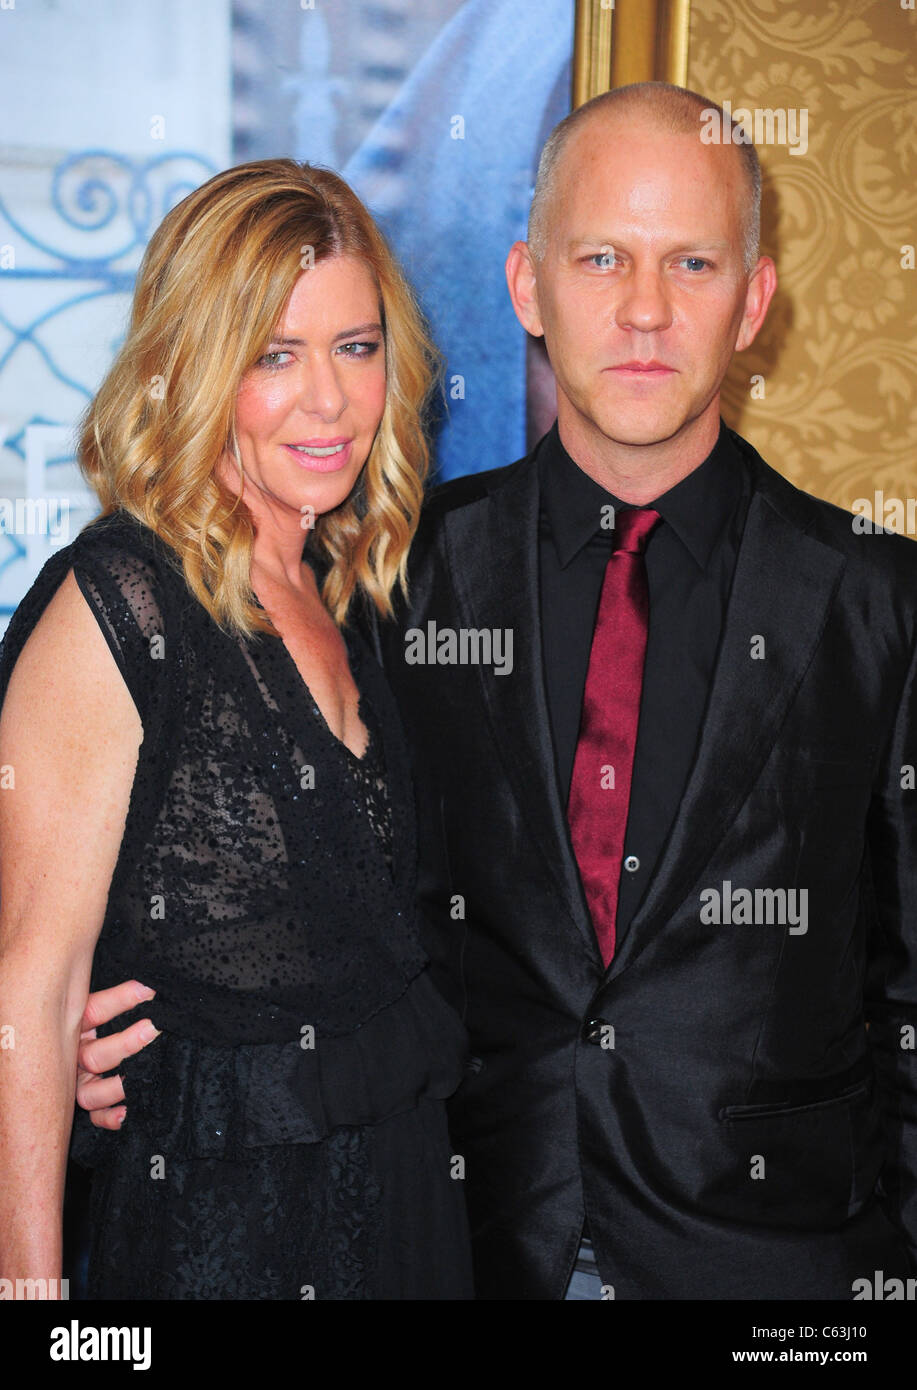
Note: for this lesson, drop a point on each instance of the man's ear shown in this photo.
(761, 286)
(523, 291)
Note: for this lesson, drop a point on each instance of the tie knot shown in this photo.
(633, 527)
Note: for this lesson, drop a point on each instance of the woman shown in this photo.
(212, 791)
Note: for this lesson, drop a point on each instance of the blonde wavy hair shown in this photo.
(210, 293)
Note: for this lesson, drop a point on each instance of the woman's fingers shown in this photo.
(97, 1093)
(106, 1054)
(108, 1119)
(107, 1004)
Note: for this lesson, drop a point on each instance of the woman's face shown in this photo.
(308, 411)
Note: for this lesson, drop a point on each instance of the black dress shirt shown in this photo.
(690, 562)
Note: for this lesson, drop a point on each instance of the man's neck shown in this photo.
(639, 473)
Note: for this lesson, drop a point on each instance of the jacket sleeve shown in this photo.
(891, 983)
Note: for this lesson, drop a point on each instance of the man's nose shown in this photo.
(644, 304)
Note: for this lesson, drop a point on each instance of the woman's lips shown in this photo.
(321, 455)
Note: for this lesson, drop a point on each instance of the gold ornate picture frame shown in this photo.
(621, 41)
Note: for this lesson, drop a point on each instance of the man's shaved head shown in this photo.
(675, 110)
(643, 279)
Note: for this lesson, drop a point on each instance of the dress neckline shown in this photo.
(363, 760)
(303, 685)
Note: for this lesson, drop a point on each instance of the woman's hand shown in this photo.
(100, 1094)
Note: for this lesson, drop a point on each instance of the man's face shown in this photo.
(643, 265)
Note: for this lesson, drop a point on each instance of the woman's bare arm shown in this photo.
(70, 734)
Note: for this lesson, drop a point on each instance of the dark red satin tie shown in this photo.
(604, 761)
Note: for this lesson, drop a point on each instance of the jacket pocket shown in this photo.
(731, 1114)
(805, 1162)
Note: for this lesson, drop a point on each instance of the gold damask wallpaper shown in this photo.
(828, 392)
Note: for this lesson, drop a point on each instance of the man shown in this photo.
(662, 707)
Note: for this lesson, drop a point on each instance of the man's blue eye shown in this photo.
(694, 262)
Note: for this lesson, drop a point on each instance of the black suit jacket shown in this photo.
(714, 1102)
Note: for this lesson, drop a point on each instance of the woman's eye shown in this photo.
(272, 359)
(359, 349)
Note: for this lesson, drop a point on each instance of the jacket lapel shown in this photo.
(784, 584)
(502, 591)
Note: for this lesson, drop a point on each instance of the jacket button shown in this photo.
(592, 1030)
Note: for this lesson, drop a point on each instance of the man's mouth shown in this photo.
(645, 368)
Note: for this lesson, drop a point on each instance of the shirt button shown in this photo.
(592, 1030)
(631, 863)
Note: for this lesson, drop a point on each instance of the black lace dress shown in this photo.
(285, 1136)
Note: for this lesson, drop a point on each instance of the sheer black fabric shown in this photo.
(287, 1125)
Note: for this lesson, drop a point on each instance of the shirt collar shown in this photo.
(697, 509)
